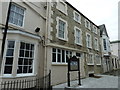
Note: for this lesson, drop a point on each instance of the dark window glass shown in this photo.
(10, 52)
(26, 53)
(29, 69)
(54, 50)
(21, 53)
(32, 46)
(63, 56)
(8, 70)
(59, 58)
(30, 61)
(54, 57)
(20, 61)
(11, 44)
(27, 46)
(19, 69)
(78, 54)
(25, 68)
(22, 45)
(25, 61)
(9, 60)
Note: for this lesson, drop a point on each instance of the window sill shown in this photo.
(18, 76)
(78, 44)
(90, 64)
(98, 64)
(77, 21)
(62, 39)
(59, 64)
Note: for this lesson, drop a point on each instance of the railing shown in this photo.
(33, 84)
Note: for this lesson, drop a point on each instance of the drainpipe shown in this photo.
(5, 34)
(46, 33)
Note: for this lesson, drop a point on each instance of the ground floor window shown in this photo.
(24, 60)
(90, 59)
(98, 59)
(60, 55)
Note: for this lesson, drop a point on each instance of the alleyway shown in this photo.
(105, 81)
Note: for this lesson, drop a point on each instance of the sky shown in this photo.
(100, 12)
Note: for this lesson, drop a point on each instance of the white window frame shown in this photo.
(96, 44)
(75, 29)
(56, 53)
(88, 24)
(23, 16)
(89, 41)
(65, 31)
(95, 30)
(14, 70)
(88, 57)
(96, 58)
(58, 7)
(74, 13)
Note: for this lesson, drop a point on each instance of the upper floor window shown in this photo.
(88, 40)
(61, 29)
(104, 44)
(16, 15)
(87, 24)
(77, 17)
(78, 36)
(95, 29)
(62, 6)
(96, 44)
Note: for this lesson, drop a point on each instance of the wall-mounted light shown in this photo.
(37, 29)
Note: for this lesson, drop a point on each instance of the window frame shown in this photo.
(95, 30)
(16, 5)
(88, 27)
(96, 44)
(104, 44)
(90, 46)
(65, 31)
(75, 31)
(15, 62)
(74, 13)
(65, 55)
(88, 57)
(96, 58)
(58, 7)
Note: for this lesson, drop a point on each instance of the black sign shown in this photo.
(73, 64)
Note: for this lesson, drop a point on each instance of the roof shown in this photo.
(117, 41)
(80, 13)
(103, 28)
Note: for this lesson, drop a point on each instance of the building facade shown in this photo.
(42, 36)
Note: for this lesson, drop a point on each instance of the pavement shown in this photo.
(104, 81)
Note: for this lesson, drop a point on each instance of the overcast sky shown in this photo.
(100, 12)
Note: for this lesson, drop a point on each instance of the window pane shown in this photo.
(25, 68)
(8, 70)
(25, 61)
(54, 57)
(21, 53)
(59, 58)
(54, 50)
(78, 54)
(20, 61)
(30, 61)
(9, 52)
(9, 60)
(11, 44)
(22, 45)
(19, 70)
(30, 69)
(26, 53)
(27, 46)
(32, 46)
(63, 56)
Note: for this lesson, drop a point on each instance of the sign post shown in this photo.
(73, 65)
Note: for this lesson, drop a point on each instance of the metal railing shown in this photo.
(33, 84)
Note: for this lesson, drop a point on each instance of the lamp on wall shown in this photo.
(37, 29)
